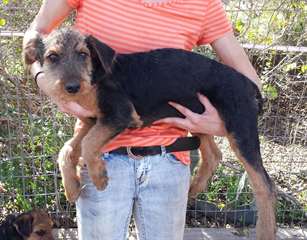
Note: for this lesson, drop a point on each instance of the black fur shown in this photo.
(16, 227)
(149, 80)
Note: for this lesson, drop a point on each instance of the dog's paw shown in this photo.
(68, 157)
(195, 188)
(64, 155)
(72, 191)
(72, 197)
(100, 180)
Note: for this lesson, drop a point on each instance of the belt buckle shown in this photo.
(132, 155)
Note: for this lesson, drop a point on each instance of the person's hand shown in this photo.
(31, 47)
(208, 122)
(69, 107)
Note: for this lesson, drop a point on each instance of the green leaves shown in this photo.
(269, 22)
(270, 91)
(303, 68)
(239, 25)
(2, 22)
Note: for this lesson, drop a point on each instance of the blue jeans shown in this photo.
(154, 189)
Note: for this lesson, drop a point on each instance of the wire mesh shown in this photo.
(32, 130)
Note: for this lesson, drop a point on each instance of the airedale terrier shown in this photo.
(32, 225)
(133, 91)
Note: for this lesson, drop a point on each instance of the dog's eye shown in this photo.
(40, 233)
(53, 57)
(83, 55)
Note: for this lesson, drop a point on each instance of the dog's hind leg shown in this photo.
(263, 187)
(207, 164)
(68, 160)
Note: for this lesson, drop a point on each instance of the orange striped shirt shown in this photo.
(141, 25)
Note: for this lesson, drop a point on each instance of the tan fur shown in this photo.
(68, 160)
(41, 222)
(69, 155)
(91, 144)
(137, 119)
(210, 158)
(265, 199)
(86, 96)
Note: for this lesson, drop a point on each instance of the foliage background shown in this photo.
(32, 130)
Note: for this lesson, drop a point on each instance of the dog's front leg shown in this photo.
(91, 146)
(68, 160)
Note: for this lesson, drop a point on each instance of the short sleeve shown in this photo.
(74, 3)
(216, 23)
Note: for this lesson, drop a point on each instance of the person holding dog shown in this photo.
(154, 188)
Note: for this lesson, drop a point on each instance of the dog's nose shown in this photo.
(72, 87)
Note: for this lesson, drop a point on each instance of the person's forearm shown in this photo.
(243, 65)
(232, 54)
(50, 15)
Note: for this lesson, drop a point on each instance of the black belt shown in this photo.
(181, 144)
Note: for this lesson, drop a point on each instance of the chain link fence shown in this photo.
(32, 130)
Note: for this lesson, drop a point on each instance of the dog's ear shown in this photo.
(23, 224)
(33, 50)
(102, 55)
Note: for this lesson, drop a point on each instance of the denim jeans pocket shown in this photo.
(173, 159)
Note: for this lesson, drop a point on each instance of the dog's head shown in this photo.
(34, 225)
(71, 61)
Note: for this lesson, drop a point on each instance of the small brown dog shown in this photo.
(133, 90)
(32, 225)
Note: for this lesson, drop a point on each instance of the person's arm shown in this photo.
(232, 54)
(50, 15)
(209, 122)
